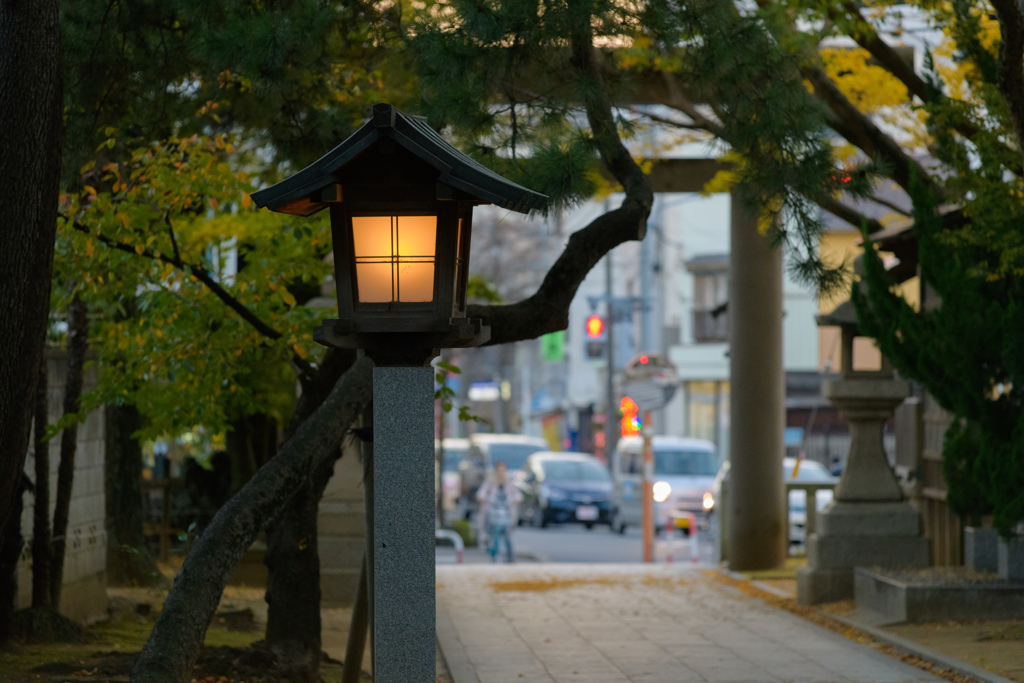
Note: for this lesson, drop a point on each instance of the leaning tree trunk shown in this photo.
(173, 645)
(128, 559)
(78, 339)
(293, 559)
(31, 111)
(41, 553)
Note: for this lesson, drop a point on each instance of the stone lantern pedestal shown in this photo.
(868, 524)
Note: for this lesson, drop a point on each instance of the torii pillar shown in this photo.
(757, 530)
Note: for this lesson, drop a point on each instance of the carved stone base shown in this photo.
(858, 534)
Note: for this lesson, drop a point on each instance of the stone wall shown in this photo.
(84, 597)
(342, 524)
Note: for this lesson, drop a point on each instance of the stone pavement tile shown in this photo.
(590, 678)
(684, 676)
(507, 677)
(651, 624)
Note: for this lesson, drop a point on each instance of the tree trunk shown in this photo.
(129, 562)
(31, 111)
(250, 443)
(78, 340)
(173, 645)
(293, 580)
(11, 543)
(293, 559)
(41, 554)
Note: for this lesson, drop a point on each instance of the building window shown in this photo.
(710, 297)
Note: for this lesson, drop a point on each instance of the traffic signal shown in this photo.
(596, 339)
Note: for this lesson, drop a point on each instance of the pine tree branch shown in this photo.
(891, 205)
(850, 215)
(306, 371)
(664, 120)
(680, 102)
(864, 134)
(888, 58)
(1011, 63)
(547, 310)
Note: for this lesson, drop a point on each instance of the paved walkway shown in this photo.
(562, 623)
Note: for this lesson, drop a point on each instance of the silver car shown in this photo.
(683, 471)
(809, 472)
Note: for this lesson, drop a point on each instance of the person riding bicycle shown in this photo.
(499, 502)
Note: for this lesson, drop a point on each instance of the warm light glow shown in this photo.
(630, 421)
(394, 258)
(709, 501)
(661, 491)
(595, 326)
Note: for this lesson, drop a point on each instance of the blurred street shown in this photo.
(574, 543)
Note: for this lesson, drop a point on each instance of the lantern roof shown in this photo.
(844, 315)
(302, 193)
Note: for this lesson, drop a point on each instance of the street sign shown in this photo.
(649, 366)
(552, 346)
(650, 379)
(649, 394)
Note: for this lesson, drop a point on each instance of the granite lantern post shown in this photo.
(868, 523)
(400, 199)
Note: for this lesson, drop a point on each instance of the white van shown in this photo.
(683, 470)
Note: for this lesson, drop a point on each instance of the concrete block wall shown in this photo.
(342, 524)
(84, 597)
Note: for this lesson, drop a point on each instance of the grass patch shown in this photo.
(128, 635)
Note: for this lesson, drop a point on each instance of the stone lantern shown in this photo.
(400, 200)
(868, 523)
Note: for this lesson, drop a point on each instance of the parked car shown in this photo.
(446, 479)
(809, 472)
(485, 450)
(683, 470)
(564, 487)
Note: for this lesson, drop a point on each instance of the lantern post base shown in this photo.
(403, 525)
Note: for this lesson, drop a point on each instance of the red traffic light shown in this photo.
(643, 360)
(595, 326)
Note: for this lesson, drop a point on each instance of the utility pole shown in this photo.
(611, 406)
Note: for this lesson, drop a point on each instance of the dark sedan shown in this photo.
(564, 487)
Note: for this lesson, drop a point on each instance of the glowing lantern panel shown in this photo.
(394, 258)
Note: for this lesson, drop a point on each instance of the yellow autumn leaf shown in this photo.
(89, 248)
(125, 220)
(288, 298)
(299, 351)
(139, 248)
(139, 340)
(722, 181)
(246, 200)
(89, 189)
